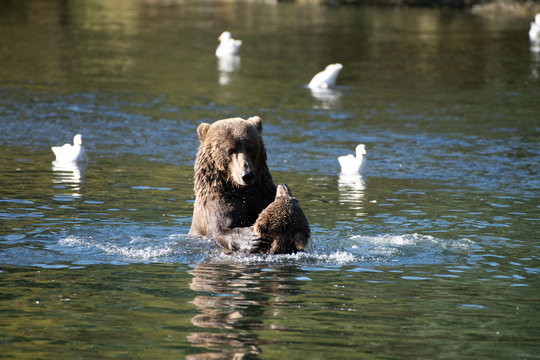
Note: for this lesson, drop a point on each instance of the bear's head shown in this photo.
(233, 149)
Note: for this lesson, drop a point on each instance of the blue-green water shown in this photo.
(433, 254)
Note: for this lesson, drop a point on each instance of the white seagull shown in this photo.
(326, 78)
(351, 164)
(71, 153)
(228, 46)
(534, 31)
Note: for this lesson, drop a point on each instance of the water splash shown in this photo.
(368, 250)
(124, 248)
(181, 248)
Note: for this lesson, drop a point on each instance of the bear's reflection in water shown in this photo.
(233, 299)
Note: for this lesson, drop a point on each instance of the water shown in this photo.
(433, 254)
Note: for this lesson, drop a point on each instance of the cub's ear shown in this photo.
(256, 121)
(202, 130)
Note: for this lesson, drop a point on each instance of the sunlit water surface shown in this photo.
(432, 254)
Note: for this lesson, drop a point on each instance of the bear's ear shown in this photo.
(202, 130)
(256, 121)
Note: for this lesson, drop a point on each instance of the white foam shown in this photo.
(137, 248)
(357, 249)
(396, 240)
(338, 257)
(145, 253)
(71, 241)
(409, 240)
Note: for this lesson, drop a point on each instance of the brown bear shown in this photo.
(283, 224)
(232, 184)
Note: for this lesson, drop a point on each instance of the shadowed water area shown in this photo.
(432, 254)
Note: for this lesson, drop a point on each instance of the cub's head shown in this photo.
(234, 148)
(283, 191)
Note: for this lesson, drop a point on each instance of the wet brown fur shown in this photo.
(284, 224)
(226, 207)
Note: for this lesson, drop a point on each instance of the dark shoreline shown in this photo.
(497, 7)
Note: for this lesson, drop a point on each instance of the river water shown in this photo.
(432, 254)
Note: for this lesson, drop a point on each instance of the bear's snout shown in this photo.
(241, 168)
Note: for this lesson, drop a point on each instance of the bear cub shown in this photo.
(283, 225)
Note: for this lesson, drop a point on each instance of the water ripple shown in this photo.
(359, 250)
